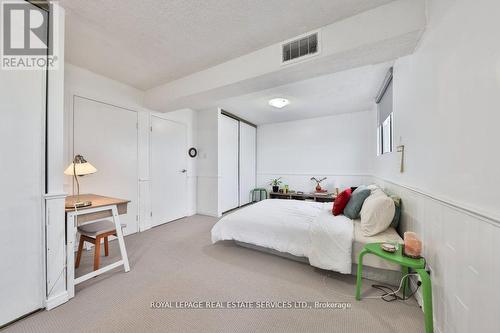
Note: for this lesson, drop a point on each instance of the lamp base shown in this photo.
(80, 204)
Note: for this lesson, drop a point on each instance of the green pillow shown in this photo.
(397, 213)
(356, 201)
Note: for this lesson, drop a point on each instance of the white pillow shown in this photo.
(372, 187)
(377, 213)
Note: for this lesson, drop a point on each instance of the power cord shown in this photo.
(394, 296)
(388, 292)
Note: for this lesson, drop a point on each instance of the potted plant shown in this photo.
(318, 183)
(275, 183)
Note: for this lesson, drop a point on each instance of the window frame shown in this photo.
(381, 129)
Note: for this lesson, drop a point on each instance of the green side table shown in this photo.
(406, 263)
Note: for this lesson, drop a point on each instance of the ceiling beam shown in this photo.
(378, 35)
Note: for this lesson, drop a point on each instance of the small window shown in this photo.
(385, 115)
(387, 135)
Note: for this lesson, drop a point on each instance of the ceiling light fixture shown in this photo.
(279, 102)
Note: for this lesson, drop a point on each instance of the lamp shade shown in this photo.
(79, 167)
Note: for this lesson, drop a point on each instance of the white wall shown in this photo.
(207, 162)
(340, 147)
(81, 82)
(446, 102)
(445, 97)
(84, 83)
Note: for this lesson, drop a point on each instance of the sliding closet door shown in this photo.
(106, 136)
(22, 151)
(229, 192)
(248, 139)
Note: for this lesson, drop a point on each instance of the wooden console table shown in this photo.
(330, 197)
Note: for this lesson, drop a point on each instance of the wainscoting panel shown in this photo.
(207, 195)
(463, 254)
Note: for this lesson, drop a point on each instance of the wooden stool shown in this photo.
(93, 233)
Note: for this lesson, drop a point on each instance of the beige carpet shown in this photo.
(177, 262)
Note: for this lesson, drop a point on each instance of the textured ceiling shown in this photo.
(348, 91)
(148, 42)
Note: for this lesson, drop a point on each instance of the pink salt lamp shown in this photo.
(413, 245)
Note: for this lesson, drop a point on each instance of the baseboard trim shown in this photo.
(211, 214)
(54, 301)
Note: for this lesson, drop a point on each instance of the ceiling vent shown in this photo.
(300, 47)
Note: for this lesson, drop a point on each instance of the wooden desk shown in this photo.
(101, 208)
(330, 197)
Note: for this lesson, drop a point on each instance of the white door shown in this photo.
(168, 170)
(229, 161)
(22, 156)
(248, 139)
(106, 136)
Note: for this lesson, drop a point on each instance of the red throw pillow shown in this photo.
(341, 201)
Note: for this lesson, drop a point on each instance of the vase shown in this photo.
(318, 188)
(276, 189)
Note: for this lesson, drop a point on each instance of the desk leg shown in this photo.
(427, 299)
(359, 274)
(121, 242)
(70, 254)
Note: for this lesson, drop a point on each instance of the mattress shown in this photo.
(300, 228)
(389, 235)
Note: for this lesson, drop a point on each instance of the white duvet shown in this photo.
(301, 228)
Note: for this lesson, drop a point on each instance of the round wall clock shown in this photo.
(192, 152)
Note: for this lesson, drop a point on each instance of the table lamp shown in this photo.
(80, 167)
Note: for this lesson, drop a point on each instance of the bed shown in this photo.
(306, 231)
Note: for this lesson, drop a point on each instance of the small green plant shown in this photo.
(276, 182)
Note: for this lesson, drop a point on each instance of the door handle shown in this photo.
(183, 170)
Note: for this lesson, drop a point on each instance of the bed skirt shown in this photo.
(371, 273)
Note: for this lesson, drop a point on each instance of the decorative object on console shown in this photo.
(275, 183)
(337, 186)
(412, 245)
(80, 167)
(341, 201)
(318, 184)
